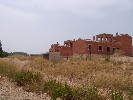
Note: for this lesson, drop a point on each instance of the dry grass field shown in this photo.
(112, 76)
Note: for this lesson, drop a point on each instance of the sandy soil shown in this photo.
(9, 91)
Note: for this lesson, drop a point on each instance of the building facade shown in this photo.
(101, 44)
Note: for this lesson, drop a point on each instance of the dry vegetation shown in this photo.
(111, 76)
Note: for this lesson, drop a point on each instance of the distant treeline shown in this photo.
(20, 53)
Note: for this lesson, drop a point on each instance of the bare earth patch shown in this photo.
(9, 91)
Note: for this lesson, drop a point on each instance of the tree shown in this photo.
(3, 54)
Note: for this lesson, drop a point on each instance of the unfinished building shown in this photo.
(105, 44)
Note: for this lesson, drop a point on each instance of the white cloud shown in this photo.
(10, 13)
(83, 8)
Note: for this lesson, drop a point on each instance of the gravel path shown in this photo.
(8, 91)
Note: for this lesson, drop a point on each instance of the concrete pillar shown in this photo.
(108, 38)
(96, 38)
(117, 34)
(101, 38)
(112, 39)
(93, 38)
(104, 37)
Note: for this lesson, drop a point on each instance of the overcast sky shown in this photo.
(33, 25)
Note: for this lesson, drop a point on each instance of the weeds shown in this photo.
(57, 90)
(95, 72)
(65, 92)
(130, 93)
(117, 95)
(107, 58)
(50, 85)
(92, 94)
(7, 69)
(28, 79)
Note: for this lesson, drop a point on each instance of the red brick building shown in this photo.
(101, 44)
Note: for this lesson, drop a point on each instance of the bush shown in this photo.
(62, 92)
(65, 92)
(107, 58)
(117, 95)
(29, 80)
(92, 94)
(130, 93)
(3, 54)
(27, 77)
(7, 69)
(50, 85)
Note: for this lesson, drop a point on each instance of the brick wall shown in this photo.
(103, 44)
(80, 47)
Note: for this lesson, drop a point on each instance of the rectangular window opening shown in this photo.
(71, 45)
(113, 50)
(89, 47)
(108, 49)
(58, 50)
(100, 48)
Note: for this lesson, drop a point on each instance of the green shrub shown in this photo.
(64, 92)
(27, 77)
(3, 54)
(130, 93)
(92, 94)
(117, 95)
(30, 81)
(50, 85)
(60, 92)
(107, 58)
